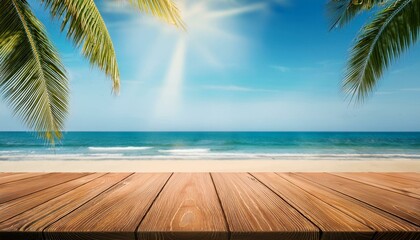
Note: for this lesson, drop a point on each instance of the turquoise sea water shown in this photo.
(213, 145)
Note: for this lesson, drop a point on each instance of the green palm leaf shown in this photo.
(343, 11)
(381, 41)
(86, 28)
(32, 78)
(163, 9)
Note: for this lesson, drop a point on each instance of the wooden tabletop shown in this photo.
(136, 206)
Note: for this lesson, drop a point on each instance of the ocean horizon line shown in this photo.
(14, 145)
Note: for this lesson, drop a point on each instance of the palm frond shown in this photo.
(381, 41)
(32, 78)
(343, 11)
(86, 27)
(163, 9)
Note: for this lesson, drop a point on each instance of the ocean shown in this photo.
(15, 146)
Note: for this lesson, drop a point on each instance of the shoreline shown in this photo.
(249, 165)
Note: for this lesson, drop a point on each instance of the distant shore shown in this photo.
(373, 165)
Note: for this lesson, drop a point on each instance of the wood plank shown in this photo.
(114, 214)
(387, 226)
(333, 223)
(112, 206)
(14, 190)
(414, 176)
(400, 205)
(255, 212)
(187, 208)
(30, 224)
(17, 206)
(395, 184)
(6, 178)
(5, 174)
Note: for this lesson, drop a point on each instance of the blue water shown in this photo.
(213, 145)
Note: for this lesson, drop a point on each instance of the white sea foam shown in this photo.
(106, 155)
(206, 154)
(12, 151)
(65, 157)
(186, 151)
(275, 156)
(111, 149)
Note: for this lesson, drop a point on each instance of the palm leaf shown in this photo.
(343, 11)
(86, 28)
(32, 78)
(163, 9)
(381, 41)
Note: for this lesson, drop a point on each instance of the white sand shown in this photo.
(377, 165)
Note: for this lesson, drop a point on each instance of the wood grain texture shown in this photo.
(24, 225)
(387, 226)
(17, 206)
(187, 208)
(89, 206)
(254, 212)
(115, 214)
(414, 176)
(12, 177)
(333, 223)
(403, 206)
(14, 190)
(395, 184)
(2, 174)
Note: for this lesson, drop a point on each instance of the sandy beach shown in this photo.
(212, 166)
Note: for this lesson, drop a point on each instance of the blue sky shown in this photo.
(241, 66)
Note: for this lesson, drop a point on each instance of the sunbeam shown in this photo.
(170, 93)
(236, 11)
(206, 32)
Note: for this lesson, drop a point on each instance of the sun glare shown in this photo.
(205, 31)
(171, 89)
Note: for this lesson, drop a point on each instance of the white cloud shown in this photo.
(326, 65)
(288, 112)
(410, 89)
(411, 67)
(384, 92)
(398, 71)
(281, 68)
(289, 69)
(330, 63)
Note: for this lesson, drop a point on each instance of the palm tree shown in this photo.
(393, 29)
(33, 80)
